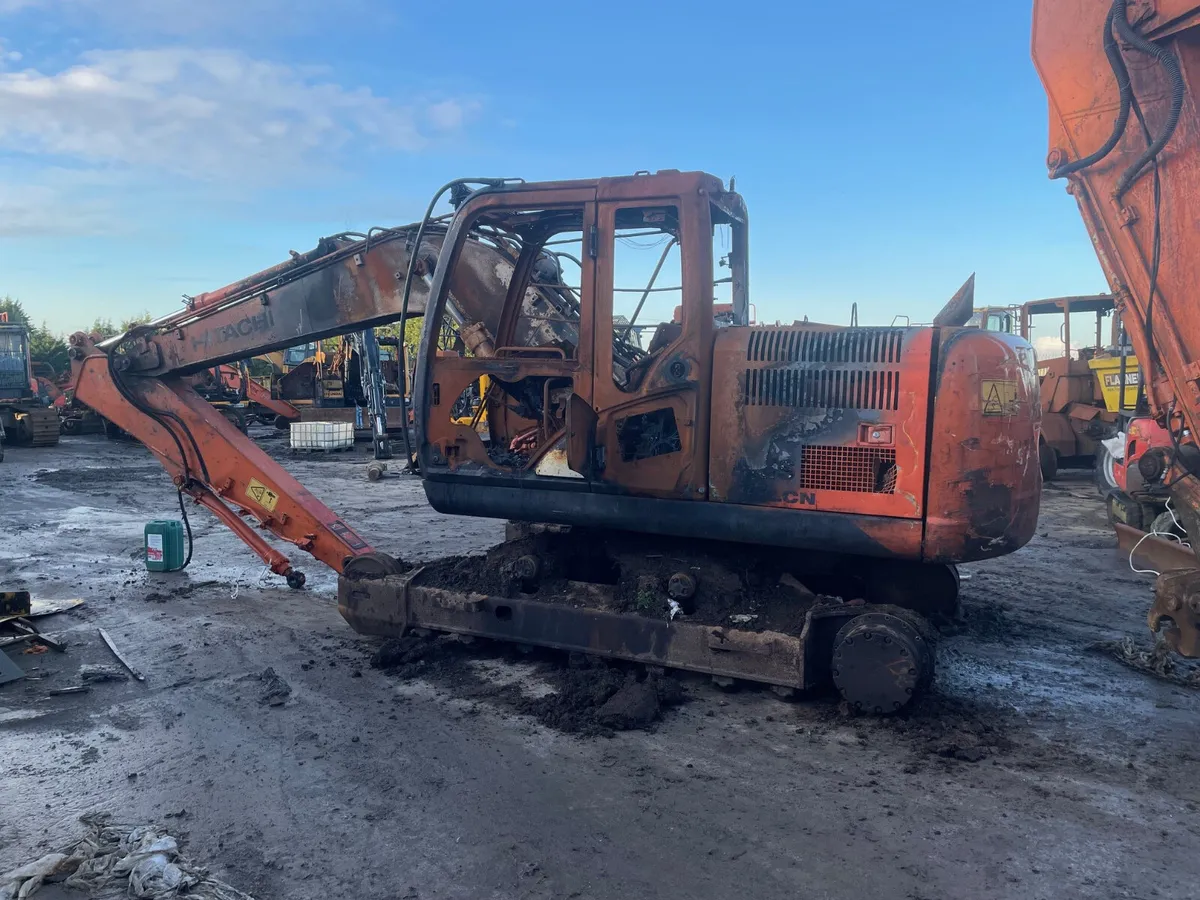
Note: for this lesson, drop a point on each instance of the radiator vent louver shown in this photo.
(847, 345)
(823, 388)
(851, 368)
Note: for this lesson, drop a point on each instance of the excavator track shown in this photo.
(34, 426)
(730, 611)
(43, 426)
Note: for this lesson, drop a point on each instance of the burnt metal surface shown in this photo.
(821, 417)
(650, 434)
(984, 478)
(958, 308)
(344, 285)
(1176, 610)
(389, 606)
(863, 535)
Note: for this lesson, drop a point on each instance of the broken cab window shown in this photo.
(647, 290)
(533, 313)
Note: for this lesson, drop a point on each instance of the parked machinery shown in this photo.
(25, 417)
(1083, 404)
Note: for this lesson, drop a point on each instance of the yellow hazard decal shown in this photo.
(262, 495)
(999, 398)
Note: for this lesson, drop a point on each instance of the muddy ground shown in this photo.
(1039, 768)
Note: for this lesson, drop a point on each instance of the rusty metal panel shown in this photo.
(1068, 51)
(1176, 609)
(821, 417)
(665, 184)
(1151, 552)
(356, 285)
(984, 479)
(389, 606)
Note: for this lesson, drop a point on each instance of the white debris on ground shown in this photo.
(113, 860)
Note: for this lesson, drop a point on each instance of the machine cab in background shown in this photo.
(599, 369)
(1001, 319)
(1088, 375)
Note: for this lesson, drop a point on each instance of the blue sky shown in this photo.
(150, 148)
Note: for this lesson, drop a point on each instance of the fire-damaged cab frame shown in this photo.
(839, 423)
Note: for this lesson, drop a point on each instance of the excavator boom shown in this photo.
(142, 381)
(1124, 132)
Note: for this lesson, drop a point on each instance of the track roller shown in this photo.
(880, 661)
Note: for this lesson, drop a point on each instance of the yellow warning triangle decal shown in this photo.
(993, 406)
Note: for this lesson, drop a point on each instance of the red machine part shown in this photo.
(1120, 78)
(218, 466)
(1143, 435)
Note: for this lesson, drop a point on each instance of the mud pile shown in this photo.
(588, 696)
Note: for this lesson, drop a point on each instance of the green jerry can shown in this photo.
(164, 545)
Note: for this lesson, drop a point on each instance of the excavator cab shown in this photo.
(703, 426)
(595, 385)
(1000, 319)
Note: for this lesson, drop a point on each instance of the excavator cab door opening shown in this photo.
(597, 345)
(530, 335)
(653, 350)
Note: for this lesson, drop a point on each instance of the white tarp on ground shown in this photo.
(112, 860)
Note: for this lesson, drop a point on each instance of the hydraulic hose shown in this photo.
(1170, 64)
(1124, 88)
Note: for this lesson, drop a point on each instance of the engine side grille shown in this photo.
(846, 345)
(864, 470)
(823, 388)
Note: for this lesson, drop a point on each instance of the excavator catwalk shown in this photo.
(779, 503)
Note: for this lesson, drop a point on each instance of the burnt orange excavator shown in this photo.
(1120, 76)
(782, 504)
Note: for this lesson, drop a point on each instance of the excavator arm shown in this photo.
(142, 381)
(1124, 133)
(1121, 78)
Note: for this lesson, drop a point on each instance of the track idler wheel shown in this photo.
(880, 662)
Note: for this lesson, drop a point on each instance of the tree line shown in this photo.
(48, 347)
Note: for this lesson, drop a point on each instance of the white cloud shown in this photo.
(447, 115)
(183, 18)
(1051, 347)
(57, 201)
(210, 114)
